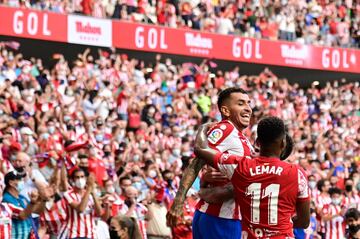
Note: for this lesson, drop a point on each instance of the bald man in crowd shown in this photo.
(33, 179)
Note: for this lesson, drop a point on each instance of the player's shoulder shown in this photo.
(291, 170)
(224, 125)
(220, 131)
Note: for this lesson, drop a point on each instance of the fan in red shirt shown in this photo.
(268, 190)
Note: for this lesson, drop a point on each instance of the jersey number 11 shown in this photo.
(271, 191)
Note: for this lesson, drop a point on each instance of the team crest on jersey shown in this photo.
(215, 136)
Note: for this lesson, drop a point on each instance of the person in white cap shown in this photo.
(27, 141)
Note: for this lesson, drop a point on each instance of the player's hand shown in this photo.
(212, 176)
(175, 214)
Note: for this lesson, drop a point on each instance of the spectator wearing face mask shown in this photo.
(118, 206)
(352, 218)
(123, 227)
(33, 179)
(351, 199)
(332, 215)
(28, 142)
(83, 205)
(312, 186)
(23, 224)
(54, 218)
(322, 199)
(156, 227)
(136, 209)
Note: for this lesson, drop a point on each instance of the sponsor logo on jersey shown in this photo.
(215, 136)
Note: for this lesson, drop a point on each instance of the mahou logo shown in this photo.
(87, 28)
(89, 31)
(198, 44)
(294, 55)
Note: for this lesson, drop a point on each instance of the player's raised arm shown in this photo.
(188, 178)
(202, 149)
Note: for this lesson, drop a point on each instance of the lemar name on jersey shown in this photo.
(266, 169)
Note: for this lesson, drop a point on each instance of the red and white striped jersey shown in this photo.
(139, 214)
(334, 227)
(351, 201)
(226, 138)
(321, 201)
(118, 207)
(55, 218)
(80, 224)
(7, 212)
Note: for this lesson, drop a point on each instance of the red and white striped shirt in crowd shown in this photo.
(7, 212)
(54, 219)
(80, 224)
(321, 201)
(334, 227)
(226, 138)
(139, 214)
(351, 201)
(117, 205)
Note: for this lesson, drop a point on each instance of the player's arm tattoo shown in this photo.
(176, 211)
(188, 178)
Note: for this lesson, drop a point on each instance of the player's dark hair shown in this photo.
(288, 148)
(333, 191)
(321, 184)
(225, 94)
(270, 129)
(352, 213)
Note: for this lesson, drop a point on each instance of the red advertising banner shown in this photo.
(26, 23)
(232, 48)
(104, 32)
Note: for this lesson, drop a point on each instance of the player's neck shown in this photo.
(269, 153)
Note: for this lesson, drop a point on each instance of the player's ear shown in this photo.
(225, 111)
(257, 144)
(283, 143)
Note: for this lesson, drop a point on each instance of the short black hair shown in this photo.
(270, 129)
(321, 184)
(352, 213)
(225, 94)
(333, 191)
(124, 178)
(77, 169)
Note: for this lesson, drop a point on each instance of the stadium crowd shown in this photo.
(120, 132)
(317, 22)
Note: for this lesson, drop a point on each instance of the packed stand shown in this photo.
(322, 22)
(106, 140)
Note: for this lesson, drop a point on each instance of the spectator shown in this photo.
(22, 225)
(124, 227)
(137, 210)
(164, 114)
(117, 203)
(332, 215)
(352, 218)
(327, 23)
(156, 226)
(83, 205)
